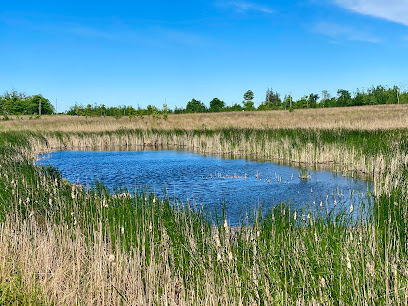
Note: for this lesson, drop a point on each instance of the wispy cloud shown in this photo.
(245, 6)
(343, 32)
(392, 10)
(153, 36)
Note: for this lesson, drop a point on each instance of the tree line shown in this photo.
(16, 103)
(273, 101)
(19, 104)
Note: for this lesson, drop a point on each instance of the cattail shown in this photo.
(104, 203)
(370, 268)
(351, 208)
(309, 217)
(73, 192)
(348, 262)
(217, 240)
(322, 282)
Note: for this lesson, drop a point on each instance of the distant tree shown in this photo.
(312, 101)
(165, 111)
(248, 104)
(195, 106)
(76, 110)
(234, 108)
(395, 91)
(287, 101)
(32, 105)
(403, 97)
(272, 100)
(302, 102)
(151, 109)
(343, 97)
(88, 110)
(13, 103)
(359, 98)
(325, 96)
(178, 110)
(249, 95)
(103, 110)
(216, 105)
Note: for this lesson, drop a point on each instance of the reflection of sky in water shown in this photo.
(209, 180)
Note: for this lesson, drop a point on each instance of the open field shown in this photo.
(357, 118)
(61, 244)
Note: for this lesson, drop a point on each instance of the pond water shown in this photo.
(211, 181)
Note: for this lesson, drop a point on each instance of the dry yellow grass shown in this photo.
(359, 118)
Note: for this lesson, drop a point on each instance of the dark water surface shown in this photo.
(210, 181)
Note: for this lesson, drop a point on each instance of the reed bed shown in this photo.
(378, 154)
(62, 244)
(356, 118)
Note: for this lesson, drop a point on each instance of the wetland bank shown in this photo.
(64, 244)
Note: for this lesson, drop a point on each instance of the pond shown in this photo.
(239, 185)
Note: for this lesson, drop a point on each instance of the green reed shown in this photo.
(284, 257)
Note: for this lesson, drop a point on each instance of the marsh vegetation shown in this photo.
(64, 244)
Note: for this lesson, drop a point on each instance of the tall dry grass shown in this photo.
(356, 118)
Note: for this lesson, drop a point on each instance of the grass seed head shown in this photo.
(322, 282)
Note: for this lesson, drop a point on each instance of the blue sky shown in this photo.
(148, 52)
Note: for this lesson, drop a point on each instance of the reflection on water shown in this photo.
(210, 181)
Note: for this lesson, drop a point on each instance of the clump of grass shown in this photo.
(304, 175)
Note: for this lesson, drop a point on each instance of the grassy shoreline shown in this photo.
(78, 246)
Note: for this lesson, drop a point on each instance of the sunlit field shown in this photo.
(356, 118)
(64, 244)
